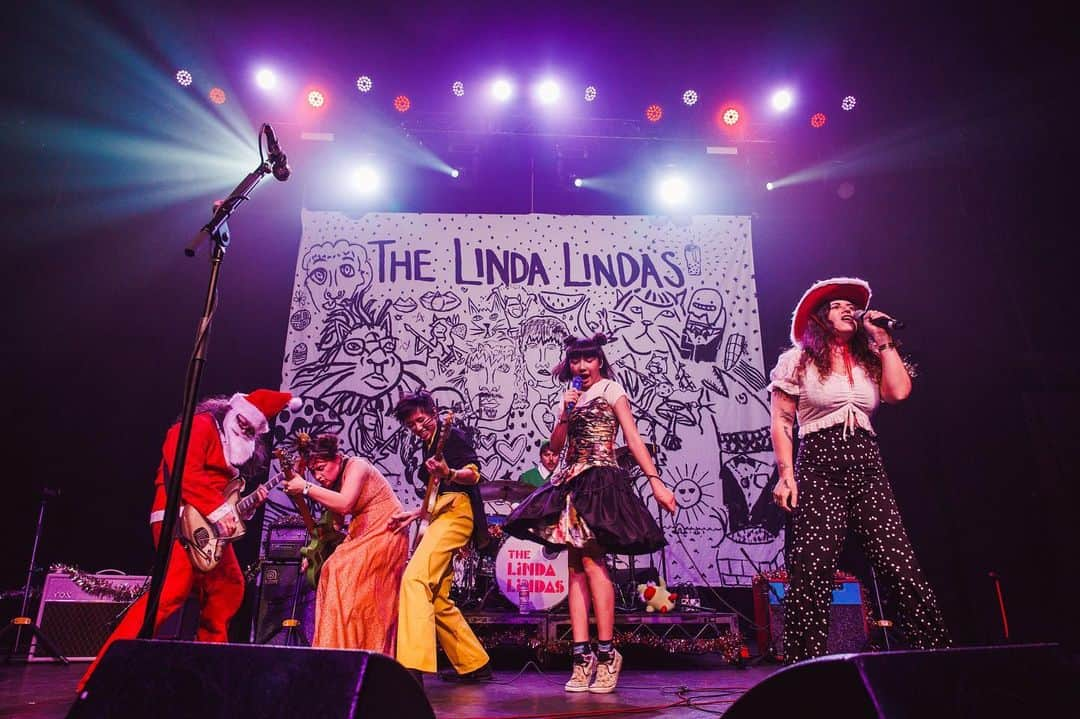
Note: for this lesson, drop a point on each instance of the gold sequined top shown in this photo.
(590, 440)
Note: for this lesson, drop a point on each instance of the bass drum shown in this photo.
(527, 568)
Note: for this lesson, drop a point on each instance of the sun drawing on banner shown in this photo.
(692, 496)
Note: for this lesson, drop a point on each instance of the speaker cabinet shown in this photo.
(180, 680)
(280, 586)
(848, 623)
(78, 622)
(1031, 680)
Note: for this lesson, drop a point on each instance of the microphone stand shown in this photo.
(218, 231)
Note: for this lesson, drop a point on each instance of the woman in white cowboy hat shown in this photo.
(839, 369)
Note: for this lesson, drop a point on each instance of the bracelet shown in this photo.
(652, 476)
(307, 486)
(885, 346)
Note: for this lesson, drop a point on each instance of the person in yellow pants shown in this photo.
(425, 611)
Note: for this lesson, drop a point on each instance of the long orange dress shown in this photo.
(356, 604)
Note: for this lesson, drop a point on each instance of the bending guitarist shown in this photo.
(225, 444)
(425, 609)
(356, 606)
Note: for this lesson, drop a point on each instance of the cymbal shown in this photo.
(625, 458)
(506, 490)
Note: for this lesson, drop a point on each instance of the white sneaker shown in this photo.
(581, 677)
(607, 674)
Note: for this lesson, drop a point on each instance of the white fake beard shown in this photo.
(238, 448)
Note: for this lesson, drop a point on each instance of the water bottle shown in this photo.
(524, 601)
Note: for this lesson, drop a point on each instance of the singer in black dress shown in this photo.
(590, 508)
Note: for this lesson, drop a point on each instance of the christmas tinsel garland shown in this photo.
(100, 587)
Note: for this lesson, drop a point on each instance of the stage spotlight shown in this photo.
(848, 103)
(364, 84)
(183, 77)
(769, 186)
(316, 99)
(547, 92)
(502, 90)
(673, 190)
(455, 173)
(458, 88)
(690, 98)
(818, 120)
(653, 113)
(590, 93)
(266, 79)
(578, 182)
(402, 103)
(782, 100)
(365, 180)
(217, 96)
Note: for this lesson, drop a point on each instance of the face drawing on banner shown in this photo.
(645, 322)
(335, 272)
(541, 343)
(489, 381)
(706, 319)
(372, 349)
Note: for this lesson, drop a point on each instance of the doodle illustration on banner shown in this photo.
(476, 309)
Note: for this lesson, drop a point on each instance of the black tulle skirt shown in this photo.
(605, 498)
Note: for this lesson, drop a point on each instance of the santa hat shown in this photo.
(262, 405)
(852, 289)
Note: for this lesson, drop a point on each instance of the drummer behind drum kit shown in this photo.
(528, 575)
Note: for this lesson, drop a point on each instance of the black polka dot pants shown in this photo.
(842, 483)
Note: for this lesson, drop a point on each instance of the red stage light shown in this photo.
(401, 103)
(217, 96)
(653, 113)
(818, 120)
(316, 98)
(729, 116)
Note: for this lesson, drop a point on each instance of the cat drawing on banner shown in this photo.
(642, 322)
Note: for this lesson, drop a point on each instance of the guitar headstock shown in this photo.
(289, 464)
(444, 432)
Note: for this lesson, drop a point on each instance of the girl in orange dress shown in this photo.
(357, 598)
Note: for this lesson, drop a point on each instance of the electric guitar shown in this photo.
(199, 537)
(432, 493)
(325, 534)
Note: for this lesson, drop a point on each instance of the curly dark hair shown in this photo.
(816, 341)
(582, 348)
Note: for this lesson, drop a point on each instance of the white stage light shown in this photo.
(547, 92)
(364, 83)
(673, 190)
(502, 90)
(365, 180)
(590, 93)
(266, 79)
(458, 88)
(782, 99)
(690, 98)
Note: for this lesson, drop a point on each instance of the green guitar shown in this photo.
(325, 534)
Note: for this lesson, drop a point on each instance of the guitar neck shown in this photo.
(245, 505)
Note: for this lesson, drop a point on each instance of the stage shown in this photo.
(46, 691)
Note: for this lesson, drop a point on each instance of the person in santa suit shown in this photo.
(225, 444)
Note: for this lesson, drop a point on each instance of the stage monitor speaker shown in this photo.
(1021, 681)
(180, 680)
(78, 621)
(280, 584)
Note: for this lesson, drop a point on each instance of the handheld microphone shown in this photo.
(885, 323)
(574, 384)
(278, 161)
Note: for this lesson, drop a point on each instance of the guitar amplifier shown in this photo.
(78, 622)
(285, 538)
(848, 623)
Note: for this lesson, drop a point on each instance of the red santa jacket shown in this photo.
(206, 471)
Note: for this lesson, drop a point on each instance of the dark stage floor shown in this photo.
(46, 691)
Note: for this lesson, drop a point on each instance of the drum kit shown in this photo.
(526, 574)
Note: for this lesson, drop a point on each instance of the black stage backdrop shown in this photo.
(966, 234)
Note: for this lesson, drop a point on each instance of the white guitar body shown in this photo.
(199, 538)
